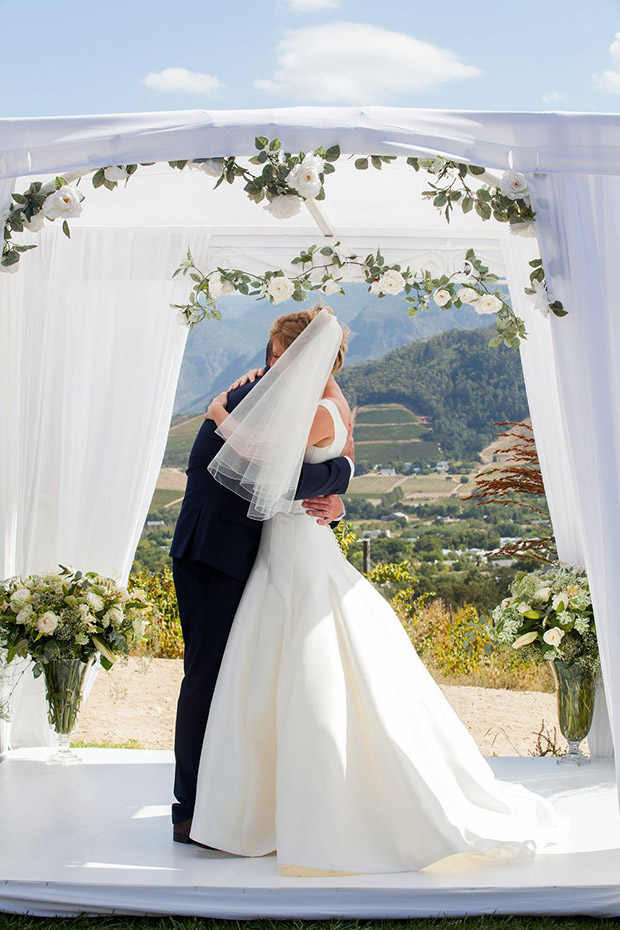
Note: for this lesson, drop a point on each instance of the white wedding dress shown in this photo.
(328, 740)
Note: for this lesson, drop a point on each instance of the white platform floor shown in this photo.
(96, 838)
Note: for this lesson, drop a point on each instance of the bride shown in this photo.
(328, 740)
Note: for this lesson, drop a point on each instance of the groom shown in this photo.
(213, 550)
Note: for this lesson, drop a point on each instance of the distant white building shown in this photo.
(442, 466)
(388, 472)
(154, 522)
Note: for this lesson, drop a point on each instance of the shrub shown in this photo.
(159, 588)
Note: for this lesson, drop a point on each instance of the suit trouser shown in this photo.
(208, 600)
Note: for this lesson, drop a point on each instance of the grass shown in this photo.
(187, 429)
(86, 744)
(163, 496)
(9, 922)
(387, 413)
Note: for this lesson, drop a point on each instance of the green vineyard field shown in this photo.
(384, 452)
(394, 413)
(384, 432)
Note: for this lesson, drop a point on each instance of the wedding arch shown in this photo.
(90, 350)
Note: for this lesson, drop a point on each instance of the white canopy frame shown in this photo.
(572, 162)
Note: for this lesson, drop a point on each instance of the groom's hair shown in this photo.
(288, 327)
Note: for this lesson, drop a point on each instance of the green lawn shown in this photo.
(9, 922)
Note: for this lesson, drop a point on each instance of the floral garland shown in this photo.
(324, 269)
(286, 181)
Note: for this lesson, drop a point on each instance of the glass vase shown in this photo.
(575, 688)
(64, 686)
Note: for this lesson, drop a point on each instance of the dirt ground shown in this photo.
(135, 703)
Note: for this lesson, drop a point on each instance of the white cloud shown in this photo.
(309, 6)
(181, 80)
(553, 97)
(359, 63)
(609, 80)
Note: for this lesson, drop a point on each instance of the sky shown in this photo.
(80, 57)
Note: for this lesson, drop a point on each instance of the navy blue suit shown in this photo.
(214, 547)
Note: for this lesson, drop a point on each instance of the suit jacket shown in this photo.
(213, 524)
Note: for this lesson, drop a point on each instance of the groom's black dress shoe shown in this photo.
(180, 834)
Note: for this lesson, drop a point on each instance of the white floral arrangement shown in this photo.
(549, 616)
(326, 270)
(70, 615)
(286, 181)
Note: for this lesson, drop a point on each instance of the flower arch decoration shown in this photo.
(284, 181)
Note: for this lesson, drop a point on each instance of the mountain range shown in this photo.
(217, 352)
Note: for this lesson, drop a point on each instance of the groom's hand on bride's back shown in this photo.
(251, 376)
(327, 510)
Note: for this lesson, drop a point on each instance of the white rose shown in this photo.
(47, 623)
(10, 269)
(25, 614)
(554, 636)
(442, 296)
(210, 166)
(540, 298)
(218, 287)
(284, 206)
(314, 161)
(331, 287)
(467, 295)
(523, 607)
(392, 282)
(527, 229)
(280, 289)
(513, 185)
(115, 173)
(63, 203)
(543, 594)
(36, 223)
(113, 616)
(95, 601)
(487, 304)
(19, 599)
(375, 287)
(304, 177)
(525, 640)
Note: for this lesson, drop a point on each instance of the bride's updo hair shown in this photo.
(288, 327)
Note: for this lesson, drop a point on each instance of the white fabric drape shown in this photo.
(550, 433)
(550, 142)
(578, 235)
(90, 355)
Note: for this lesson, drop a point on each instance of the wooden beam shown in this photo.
(319, 218)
